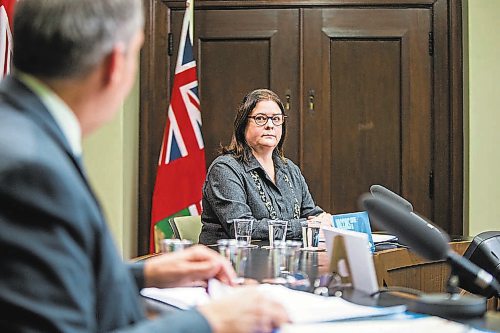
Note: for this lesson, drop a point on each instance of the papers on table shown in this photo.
(305, 307)
(382, 238)
(302, 307)
(395, 325)
(182, 298)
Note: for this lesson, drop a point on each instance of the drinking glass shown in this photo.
(310, 236)
(277, 231)
(172, 245)
(243, 230)
(289, 255)
(236, 252)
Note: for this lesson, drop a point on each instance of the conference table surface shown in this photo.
(261, 267)
(387, 259)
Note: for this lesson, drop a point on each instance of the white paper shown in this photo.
(182, 298)
(381, 238)
(305, 307)
(301, 307)
(412, 325)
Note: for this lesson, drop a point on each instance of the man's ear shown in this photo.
(113, 65)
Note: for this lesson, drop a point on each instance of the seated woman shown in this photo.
(253, 179)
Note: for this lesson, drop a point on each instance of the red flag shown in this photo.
(6, 15)
(181, 166)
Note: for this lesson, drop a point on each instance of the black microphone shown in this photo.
(427, 241)
(378, 191)
(416, 233)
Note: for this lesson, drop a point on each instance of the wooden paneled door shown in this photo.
(368, 73)
(262, 52)
(372, 87)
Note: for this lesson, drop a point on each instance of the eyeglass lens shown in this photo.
(262, 119)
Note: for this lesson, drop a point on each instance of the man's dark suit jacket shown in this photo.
(59, 268)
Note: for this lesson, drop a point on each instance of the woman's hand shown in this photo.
(324, 219)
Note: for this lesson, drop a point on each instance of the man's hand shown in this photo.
(182, 268)
(244, 311)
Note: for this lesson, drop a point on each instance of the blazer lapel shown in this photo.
(27, 102)
(24, 100)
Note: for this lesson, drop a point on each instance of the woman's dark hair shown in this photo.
(238, 147)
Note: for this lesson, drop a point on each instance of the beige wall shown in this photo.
(483, 74)
(111, 158)
(111, 154)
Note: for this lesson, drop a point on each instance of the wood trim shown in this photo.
(440, 101)
(209, 4)
(448, 91)
(456, 117)
(146, 178)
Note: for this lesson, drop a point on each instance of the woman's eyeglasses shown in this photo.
(261, 119)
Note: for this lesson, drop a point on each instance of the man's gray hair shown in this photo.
(68, 38)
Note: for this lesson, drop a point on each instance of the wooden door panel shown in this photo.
(225, 80)
(365, 130)
(238, 51)
(374, 86)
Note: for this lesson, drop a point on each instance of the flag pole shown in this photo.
(181, 166)
(190, 7)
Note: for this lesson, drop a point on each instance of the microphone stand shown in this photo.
(451, 304)
(432, 243)
(453, 283)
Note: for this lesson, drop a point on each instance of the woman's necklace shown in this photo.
(267, 202)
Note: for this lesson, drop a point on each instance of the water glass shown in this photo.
(243, 230)
(310, 236)
(290, 255)
(236, 252)
(285, 257)
(277, 231)
(172, 245)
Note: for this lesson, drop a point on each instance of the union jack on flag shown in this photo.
(181, 165)
(6, 11)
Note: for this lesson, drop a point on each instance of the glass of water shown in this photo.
(277, 231)
(243, 230)
(173, 245)
(236, 252)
